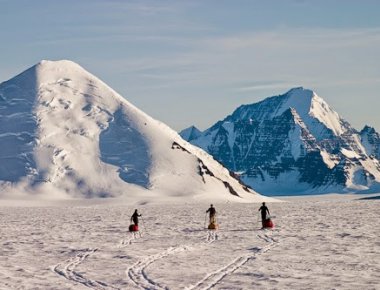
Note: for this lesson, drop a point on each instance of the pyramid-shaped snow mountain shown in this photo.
(294, 143)
(63, 132)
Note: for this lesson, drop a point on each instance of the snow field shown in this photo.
(316, 244)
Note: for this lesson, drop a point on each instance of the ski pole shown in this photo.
(258, 217)
(205, 220)
(144, 224)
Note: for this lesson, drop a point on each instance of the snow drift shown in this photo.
(63, 132)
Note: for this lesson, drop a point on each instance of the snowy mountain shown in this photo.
(65, 133)
(294, 143)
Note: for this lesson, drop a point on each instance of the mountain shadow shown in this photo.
(125, 147)
(18, 126)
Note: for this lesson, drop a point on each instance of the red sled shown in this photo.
(213, 226)
(133, 228)
(268, 223)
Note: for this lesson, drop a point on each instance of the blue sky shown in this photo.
(194, 62)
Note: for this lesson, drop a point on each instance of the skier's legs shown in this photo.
(212, 219)
(263, 218)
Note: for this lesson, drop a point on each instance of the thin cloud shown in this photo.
(142, 7)
(269, 86)
(322, 37)
(300, 56)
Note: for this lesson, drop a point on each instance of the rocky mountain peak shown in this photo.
(368, 130)
(294, 142)
(370, 139)
(190, 133)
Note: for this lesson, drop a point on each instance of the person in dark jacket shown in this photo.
(135, 217)
(212, 213)
(264, 210)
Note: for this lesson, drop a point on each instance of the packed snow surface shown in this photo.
(328, 242)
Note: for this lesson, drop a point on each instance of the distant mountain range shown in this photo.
(65, 133)
(293, 143)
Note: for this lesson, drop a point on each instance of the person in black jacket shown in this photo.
(135, 217)
(264, 210)
(212, 213)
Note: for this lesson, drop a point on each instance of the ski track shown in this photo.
(138, 274)
(67, 270)
(78, 260)
(214, 278)
(212, 236)
(125, 242)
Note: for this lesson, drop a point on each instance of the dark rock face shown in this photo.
(371, 141)
(302, 148)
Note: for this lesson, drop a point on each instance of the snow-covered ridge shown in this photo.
(68, 134)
